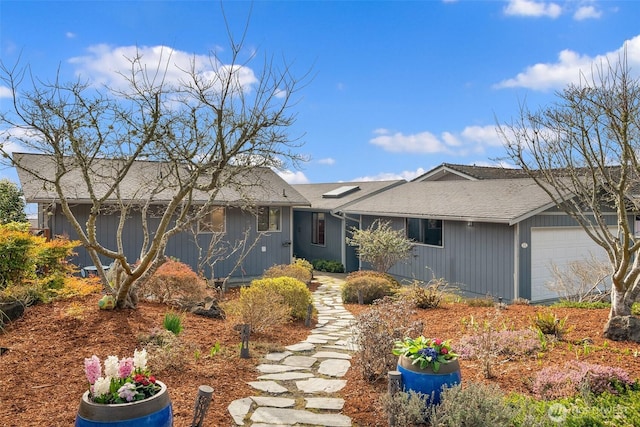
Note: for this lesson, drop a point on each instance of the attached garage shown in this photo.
(559, 246)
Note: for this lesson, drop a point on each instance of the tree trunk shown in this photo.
(622, 326)
(620, 305)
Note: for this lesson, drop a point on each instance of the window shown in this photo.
(268, 219)
(317, 225)
(213, 222)
(427, 231)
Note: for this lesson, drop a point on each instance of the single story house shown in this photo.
(258, 205)
(321, 229)
(494, 237)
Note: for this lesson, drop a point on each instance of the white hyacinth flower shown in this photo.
(140, 359)
(101, 386)
(111, 366)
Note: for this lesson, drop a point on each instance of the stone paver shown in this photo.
(298, 416)
(300, 386)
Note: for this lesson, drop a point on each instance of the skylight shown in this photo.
(340, 191)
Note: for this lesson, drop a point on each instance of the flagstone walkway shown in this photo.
(300, 386)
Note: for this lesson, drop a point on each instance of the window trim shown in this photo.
(269, 209)
(423, 231)
(316, 229)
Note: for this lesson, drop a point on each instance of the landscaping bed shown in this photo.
(41, 375)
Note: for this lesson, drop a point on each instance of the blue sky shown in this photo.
(399, 87)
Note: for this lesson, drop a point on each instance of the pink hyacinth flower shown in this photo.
(92, 369)
(125, 367)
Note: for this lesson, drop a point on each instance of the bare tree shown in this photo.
(583, 151)
(585, 280)
(205, 131)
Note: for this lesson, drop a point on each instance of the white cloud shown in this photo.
(70, 35)
(104, 63)
(5, 92)
(485, 135)
(587, 12)
(392, 176)
(424, 142)
(292, 177)
(570, 67)
(327, 161)
(532, 8)
(471, 139)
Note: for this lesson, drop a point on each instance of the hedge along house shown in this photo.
(494, 237)
(250, 220)
(321, 229)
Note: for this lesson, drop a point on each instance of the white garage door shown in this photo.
(559, 246)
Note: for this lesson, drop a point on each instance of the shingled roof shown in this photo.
(471, 172)
(336, 196)
(507, 201)
(259, 184)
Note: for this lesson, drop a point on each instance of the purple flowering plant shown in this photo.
(124, 380)
(425, 352)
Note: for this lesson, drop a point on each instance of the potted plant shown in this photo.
(427, 365)
(125, 395)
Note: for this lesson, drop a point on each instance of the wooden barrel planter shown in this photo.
(155, 411)
(426, 381)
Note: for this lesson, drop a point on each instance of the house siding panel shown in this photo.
(334, 243)
(477, 259)
(182, 246)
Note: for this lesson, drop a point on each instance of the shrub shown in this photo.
(295, 294)
(406, 408)
(489, 340)
(76, 286)
(295, 271)
(474, 405)
(17, 247)
(172, 322)
(426, 296)
(555, 382)
(328, 266)
(381, 245)
(261, 307)
(504, 343)
(165, 350)
(582, 304)
(486, 301)
(174, 282)
(33, 269)
(377, 330)
(373, 286)
(549, 324)
(304, 263)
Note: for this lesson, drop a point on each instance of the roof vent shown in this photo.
(340, 192)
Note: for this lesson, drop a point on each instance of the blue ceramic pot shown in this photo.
(426, 381)
(155, 411)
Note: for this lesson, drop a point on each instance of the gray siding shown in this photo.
(277, 249)
(303, 248)
(478, 260)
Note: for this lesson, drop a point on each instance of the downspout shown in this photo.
(291, 236)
